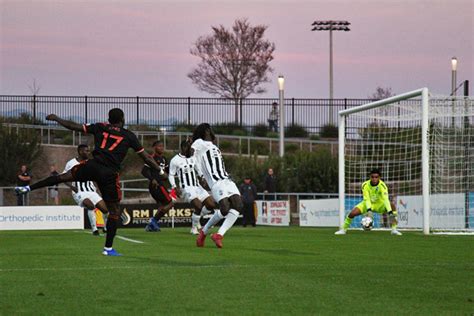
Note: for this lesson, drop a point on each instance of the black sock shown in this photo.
(47, 182)
(159, 215)
(111, 231)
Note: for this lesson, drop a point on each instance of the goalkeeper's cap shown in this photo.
(375, 170)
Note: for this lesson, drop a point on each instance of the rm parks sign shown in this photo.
(138, 215)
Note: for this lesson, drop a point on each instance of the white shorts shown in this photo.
(81, 196)
(223, 189)
(191, 193)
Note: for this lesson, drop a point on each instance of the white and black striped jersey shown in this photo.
(84, 186)
(209, 161)
(185, 169)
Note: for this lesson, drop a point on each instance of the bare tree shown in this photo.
(233, 63)
(34, 87)
(382, 93)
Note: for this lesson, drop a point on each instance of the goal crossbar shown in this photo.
(424, 93)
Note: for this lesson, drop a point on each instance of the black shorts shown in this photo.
(160, 194)
(106, 178)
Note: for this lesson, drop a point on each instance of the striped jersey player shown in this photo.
(183, 166)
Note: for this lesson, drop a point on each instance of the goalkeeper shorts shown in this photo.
(376, 207)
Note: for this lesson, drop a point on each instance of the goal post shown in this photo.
(423, 145)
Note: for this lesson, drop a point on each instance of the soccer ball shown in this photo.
(367, 223)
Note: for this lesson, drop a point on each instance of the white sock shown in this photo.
(92, 219)
(195, 220)
(212, 221)
(204, 211)
(228, 222)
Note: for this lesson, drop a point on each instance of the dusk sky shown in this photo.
(141, 48)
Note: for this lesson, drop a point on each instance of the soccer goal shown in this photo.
(424, 146)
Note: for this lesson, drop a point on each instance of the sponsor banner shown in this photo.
(471, 210)
(448, 211)
(41, 217)
(319, 213)
(138, 215)
(273, 213)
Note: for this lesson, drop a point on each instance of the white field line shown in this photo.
(117, 236)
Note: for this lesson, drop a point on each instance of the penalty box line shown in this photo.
(117, 236)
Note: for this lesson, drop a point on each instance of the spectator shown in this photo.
(249, 194)
(270, 184)
(273, 118)
(53, 191)
(23, 178)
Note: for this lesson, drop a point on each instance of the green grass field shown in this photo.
(296, 271)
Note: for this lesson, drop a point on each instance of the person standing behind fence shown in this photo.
(53, 191)
(249, 194)
(23, 178)
(270, 184)
(273, 118)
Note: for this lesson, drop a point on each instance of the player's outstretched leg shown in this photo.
(112, 224)
(393, 221)
(347, 222)
(46, 182)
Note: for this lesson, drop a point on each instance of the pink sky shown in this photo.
(130, 48)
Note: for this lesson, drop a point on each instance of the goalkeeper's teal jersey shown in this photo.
(376, 196)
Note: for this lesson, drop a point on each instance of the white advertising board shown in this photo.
(273, 213)
(448, 211)
(41, 217)
(319, 213)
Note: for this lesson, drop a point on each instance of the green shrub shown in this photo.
(229, 129)
(315, 137)
(184, 127)
(273, 135)
(226, 145)
(291, 148)
(329, 131)
(296, 131)
(260, 130)
(24, 118)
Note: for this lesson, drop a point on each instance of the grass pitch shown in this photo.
(296, 271)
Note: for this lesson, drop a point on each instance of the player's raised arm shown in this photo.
(67, 124)
(150, 163)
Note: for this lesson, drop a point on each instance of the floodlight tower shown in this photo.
(331, 26)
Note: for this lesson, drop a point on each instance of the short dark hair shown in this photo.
(116, 115)
(81, 146)
(375, 170)
(184, 144)
(200, 131)
(156, 142)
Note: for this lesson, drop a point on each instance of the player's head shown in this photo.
(204, 131)
(158, 147)
(270, 171)
(116, 117)
(185, 148)
(83, 151)
(375, 176)
(23, 168)
(247, 180)
(274, 104)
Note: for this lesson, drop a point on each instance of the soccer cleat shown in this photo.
(22, 190)
(194, 231)
(111, 253)
(340, 232)
(95, 233)
(395, 232)
(217, 240)
(200, 239)
(153, 226)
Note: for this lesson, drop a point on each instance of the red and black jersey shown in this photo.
(161, 161)
(111, 143)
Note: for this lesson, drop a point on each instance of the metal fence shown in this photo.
(170, 112)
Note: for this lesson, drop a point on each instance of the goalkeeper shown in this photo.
(375, 194)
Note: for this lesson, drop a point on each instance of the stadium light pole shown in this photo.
(281, 88)
(331, 26)
(454, 68)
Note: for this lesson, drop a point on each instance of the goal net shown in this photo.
(424, 146)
